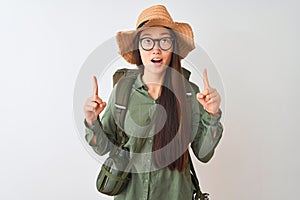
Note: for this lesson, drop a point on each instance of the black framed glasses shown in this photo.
(164, 43)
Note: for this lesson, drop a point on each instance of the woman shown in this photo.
(182, 116)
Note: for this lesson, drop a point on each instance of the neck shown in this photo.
(153, 83)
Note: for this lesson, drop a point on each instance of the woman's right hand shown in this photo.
(93, 105)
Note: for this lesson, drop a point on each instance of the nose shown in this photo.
(156, 49)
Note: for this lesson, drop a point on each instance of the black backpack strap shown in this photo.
(198, 194)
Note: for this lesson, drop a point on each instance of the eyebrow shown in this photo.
(148, 34)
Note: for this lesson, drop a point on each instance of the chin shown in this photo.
(156, 68)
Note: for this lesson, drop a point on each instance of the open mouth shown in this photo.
(156, 60)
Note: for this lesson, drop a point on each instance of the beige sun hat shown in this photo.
(156, 16)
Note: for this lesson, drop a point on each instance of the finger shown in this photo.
(102, 105)
(211, 93)
(204, 93)
(201, 95)
(89, 108)
(212, 100)
(207, 98)
(215, 100)
(97, 99)
(93, 104)
(211, 90)
(90, 101)
(212, 96)
(95, 86)
(205, 79)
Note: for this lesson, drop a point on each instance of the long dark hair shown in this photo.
(170, 144)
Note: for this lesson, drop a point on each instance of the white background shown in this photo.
(254, 45)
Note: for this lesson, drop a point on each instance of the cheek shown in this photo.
(144, 56)
(168, 57)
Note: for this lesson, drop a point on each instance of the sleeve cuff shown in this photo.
(92, 130)
(210, 119)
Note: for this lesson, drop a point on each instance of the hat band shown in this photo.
(142, 24)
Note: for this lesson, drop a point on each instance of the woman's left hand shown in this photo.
(209, 98)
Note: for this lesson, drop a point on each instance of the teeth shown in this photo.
(156, 59)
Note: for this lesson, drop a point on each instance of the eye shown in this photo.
(164, 40)
(147, 40)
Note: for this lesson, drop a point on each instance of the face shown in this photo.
(156, 48)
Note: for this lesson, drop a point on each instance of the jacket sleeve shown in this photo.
(206, 130)
(104, 130)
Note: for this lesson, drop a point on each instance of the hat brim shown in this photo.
(183, 33)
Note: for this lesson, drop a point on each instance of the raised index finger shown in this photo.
(95, 93)
(205, 79)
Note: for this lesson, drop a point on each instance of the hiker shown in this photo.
(162, 101)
